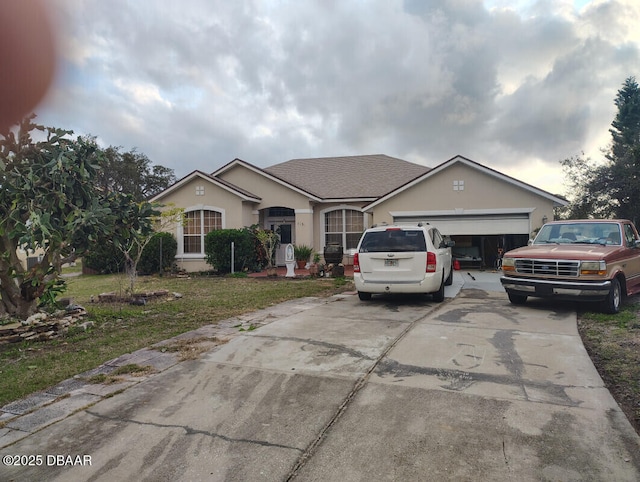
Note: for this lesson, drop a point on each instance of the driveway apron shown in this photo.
(392, 389)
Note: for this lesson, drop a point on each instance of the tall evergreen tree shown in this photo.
(625, 128)
(613, 188)
(623, 180)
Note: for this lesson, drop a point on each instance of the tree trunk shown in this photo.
(12, 304)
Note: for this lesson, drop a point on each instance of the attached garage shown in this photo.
(478, 234)
(484, 211)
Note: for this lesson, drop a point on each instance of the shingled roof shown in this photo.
(348, 177)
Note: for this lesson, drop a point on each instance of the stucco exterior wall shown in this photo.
(480, 191)
(272, 193)
(232, 207)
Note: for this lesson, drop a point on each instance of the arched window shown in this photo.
(343, 227)
(196, 226)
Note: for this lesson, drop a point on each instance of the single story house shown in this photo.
(330, 200)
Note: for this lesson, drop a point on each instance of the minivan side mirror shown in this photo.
(448, 244)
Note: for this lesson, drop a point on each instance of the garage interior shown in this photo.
(482, 251)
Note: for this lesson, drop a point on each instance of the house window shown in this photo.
(343, 227)
(458, 185)
(197, 225)
(199, 190)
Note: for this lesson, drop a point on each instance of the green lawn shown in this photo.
(123, 328)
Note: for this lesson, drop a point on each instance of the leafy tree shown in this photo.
(582, 175)
(135, 225)
(48, 202)
(131, 173)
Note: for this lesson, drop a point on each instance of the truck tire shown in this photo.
(612, 302)
(517, 299)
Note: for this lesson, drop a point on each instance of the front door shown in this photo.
(285, 231)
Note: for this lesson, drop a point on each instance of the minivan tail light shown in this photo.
(431, 262)
(356, 263)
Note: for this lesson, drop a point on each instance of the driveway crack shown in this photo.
(191, 431)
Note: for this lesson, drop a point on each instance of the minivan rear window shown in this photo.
(393, 240)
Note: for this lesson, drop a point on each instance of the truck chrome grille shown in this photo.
(551, 267)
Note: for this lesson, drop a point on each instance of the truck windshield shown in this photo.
(580, 233)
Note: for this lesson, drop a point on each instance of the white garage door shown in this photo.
(474, 224)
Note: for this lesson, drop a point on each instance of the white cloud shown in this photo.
(194, 84)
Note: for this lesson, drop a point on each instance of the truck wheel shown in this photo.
(517, 299)
(612, 302)
(364, 296)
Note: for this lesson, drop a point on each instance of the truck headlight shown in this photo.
(593, 268)
(508, 264)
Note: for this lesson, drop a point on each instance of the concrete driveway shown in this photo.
(338, 389)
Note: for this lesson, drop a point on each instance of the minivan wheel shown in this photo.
(364, 296)
(438, 296)
(449, 280)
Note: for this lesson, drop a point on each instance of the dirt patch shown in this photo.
(189, 348)
(613, 343)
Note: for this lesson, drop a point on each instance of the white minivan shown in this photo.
(402, 259)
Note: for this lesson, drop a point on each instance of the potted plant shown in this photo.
(269, 240)
(302, 254)
(314, 268)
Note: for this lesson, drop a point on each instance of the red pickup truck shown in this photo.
(590, 260)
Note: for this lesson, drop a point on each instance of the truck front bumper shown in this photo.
(570, 290)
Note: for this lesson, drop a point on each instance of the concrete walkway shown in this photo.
(337, 389)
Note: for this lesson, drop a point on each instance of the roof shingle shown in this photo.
(348, 177)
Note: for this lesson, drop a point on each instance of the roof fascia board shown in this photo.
(348, 200)
(261, 172)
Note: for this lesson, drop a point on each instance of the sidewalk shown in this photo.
(300, 273)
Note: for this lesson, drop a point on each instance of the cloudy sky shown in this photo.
(193, 84)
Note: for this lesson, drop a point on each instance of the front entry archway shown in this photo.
(282, 220)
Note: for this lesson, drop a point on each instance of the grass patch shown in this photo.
(120, 328)
(613, 343)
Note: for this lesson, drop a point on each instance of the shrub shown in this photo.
(150, 260)
(104, 258)
(217, 248)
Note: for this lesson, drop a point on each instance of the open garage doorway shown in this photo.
(482, 251)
